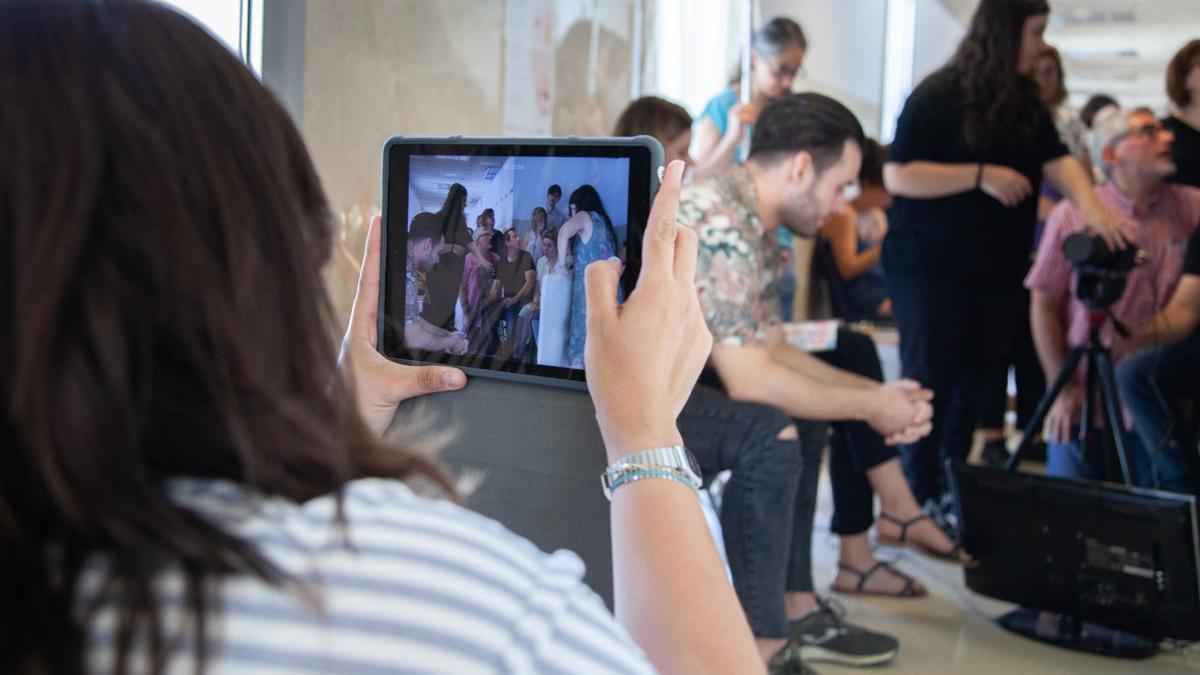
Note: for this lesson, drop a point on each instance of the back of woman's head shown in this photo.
(586, 198)
(654, 116)
(160, 303)
(998, 100)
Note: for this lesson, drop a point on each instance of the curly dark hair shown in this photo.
(998, 101)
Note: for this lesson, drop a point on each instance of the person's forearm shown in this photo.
(669, 584)
(1166, 328)
(1068, 176)
(929, 180)
(526, 288)
(857, 264)
(812, 367)
(800, 395)
(1049, 336)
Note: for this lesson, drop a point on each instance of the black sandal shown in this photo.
(909, 591)
(951, 555)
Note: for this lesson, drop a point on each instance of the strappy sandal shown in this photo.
(950, 555)
(910, 589)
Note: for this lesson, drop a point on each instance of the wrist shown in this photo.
(624, 439)
(979, 176)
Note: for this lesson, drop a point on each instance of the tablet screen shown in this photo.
(486, 242)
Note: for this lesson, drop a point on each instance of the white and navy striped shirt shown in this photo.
(423, 586)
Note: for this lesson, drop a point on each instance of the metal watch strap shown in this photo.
(674, 457)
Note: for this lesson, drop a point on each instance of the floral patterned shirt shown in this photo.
(739, 268)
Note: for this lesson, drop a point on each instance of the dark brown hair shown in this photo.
(1177, 72)
(162, 231)
(1087, 114)
(654, 116)
(870, 174)
(999, 102)
(1059, 94)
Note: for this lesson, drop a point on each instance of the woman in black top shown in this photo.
(1183, 87)
(444, 280)
(971, 144)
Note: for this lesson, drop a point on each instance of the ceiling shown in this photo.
(1117, 47)
(432, 176)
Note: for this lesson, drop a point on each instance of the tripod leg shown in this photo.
(1065, 373)
(1114, 421)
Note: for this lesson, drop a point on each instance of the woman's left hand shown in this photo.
(380, 385)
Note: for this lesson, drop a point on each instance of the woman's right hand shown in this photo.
(1007, 186)
(741, 116)
(643, 356)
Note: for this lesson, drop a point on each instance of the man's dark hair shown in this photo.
(555, 190)
(424, 226)
(807, 122)
(1094, 105)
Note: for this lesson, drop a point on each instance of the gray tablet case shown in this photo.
(534, 440)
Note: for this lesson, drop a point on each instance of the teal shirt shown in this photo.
(717, 110)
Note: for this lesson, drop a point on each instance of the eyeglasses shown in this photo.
(782, 72)
(1150, 132)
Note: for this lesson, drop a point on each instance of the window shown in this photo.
(237, 23)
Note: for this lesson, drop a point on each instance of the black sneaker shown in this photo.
(823, 635)
(789, 662)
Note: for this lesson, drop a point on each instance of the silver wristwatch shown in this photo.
(674, 458)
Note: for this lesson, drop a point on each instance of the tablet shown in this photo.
(485, 241)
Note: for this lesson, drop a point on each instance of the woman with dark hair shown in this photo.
(190, 481)
(855, 239)
(1183, 88)
(972, 144)
(445, 280)
(667, 122)
(587, 236)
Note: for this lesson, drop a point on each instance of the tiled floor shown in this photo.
(951, 630)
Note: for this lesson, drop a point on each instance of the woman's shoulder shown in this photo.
(717, 107)
(381, 518)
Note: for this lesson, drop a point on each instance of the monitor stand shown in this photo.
(1066, 630)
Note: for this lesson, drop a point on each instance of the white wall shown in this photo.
(938, 33)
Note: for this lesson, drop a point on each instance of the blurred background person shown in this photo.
(855, 238)
(532, 240)
(971, 146)
(1098, 107)
(1183, 88)
(776, 58)
(667, 122)
(587, 236)
(444, 280)
(516, 277)
(479, 289)
(1020, 355)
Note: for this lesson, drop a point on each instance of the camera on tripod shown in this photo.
(1103, 272)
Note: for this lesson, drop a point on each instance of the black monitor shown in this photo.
(1100, 555)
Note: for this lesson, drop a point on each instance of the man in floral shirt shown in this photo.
(806, 149)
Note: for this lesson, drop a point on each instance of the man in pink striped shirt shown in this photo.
(1135, 151)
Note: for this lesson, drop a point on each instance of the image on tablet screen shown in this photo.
(497, 246)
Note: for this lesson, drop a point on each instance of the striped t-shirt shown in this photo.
(423, 586)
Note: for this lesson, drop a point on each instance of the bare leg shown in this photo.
(798, 604)
(768, 648)
(855, 551)
(896, 499)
